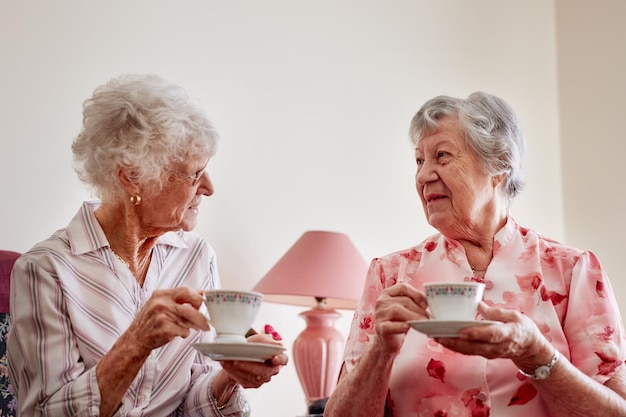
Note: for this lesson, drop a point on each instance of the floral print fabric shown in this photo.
(8, 404)
(563, 289)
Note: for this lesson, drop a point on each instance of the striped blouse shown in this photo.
(71, 299)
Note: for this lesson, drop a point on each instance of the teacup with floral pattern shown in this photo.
(231, 313)
(454, 301)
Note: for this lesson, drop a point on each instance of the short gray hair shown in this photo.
(491, 129)
(141, 122)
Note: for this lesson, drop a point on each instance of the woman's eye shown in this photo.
(419, 161)
(442, 154)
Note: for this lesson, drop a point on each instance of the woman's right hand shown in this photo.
(395, 306)
(167, 314)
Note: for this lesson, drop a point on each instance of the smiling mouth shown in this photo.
(433, 197)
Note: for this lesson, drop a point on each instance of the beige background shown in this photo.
(313, 101)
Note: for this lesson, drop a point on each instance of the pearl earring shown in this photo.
(135, 199)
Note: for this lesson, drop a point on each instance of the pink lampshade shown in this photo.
(323, 270)
(320, 264)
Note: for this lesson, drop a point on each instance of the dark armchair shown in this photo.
(8, 405)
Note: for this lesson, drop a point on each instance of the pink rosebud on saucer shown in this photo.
(268, 329)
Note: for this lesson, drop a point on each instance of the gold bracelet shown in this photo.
(230, 394)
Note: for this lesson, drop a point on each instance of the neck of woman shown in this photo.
(132, 250)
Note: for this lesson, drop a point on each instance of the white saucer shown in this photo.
(251, 352)
(446, 328)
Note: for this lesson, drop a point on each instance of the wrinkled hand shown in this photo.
(255, 374)
(168, 314)
(518, 338)
(394, 307)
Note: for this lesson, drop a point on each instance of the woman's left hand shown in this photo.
(518, 338)
(255, 374)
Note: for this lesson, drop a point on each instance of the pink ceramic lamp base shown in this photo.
(317, 353)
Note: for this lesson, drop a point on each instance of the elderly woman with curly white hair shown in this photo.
(106, 310)
(559, 347)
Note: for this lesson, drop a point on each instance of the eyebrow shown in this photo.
(203, 167)
(440, 142)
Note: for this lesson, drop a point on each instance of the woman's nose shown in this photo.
(425, 173)
(206, 185)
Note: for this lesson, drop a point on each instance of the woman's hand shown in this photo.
(518, 338)
(245, 373)
(255, 374)
(395, 306)
(168, 314)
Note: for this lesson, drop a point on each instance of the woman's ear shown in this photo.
(128, 179)
(497, 180)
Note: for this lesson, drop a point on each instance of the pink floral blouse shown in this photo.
(565, 290)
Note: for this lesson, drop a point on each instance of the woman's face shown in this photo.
(175, 207)
(456, 191)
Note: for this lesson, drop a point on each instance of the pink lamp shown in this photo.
(323, 270)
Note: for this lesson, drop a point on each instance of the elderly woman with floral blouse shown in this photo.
(559, 349)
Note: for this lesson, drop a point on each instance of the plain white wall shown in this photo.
(312, 99)
(592, 88)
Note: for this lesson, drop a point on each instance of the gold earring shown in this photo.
(135, 199)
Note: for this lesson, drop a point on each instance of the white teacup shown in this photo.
(454, 301)
(231, 313)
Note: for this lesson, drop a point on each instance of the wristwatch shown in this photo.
(543, 371)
